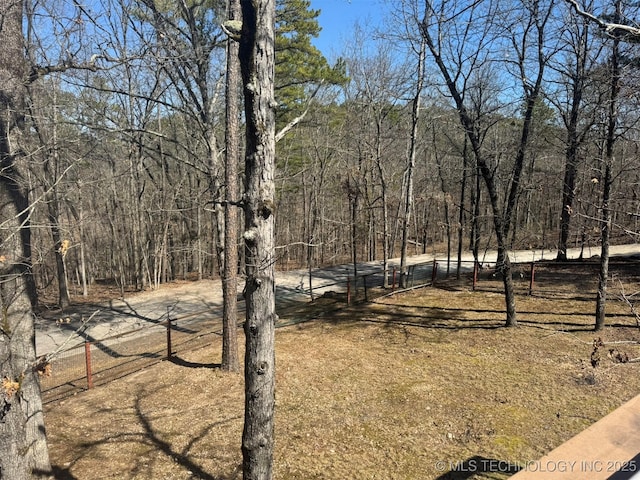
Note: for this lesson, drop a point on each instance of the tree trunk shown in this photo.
(23, 447)
(385, 205)
(568, 193)
(230, 360)
(51, 168)
(257, 59)
(503, 267)
(607, 181)
(411, 162)
(461, 209)
(353, 203)
(475, 223)
(60, 249)
(603, 274)
(570, 172)
(445, 195)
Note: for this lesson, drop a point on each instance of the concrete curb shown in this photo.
(608, 449)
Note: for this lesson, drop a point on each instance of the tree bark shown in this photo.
(23, 448)
(230, 360)
(257, 60)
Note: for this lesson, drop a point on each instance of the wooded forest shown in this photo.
(125, 146)
(498, 124)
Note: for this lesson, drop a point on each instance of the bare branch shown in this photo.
(300, 117)
(615, 30)
(627, 299)
(39, 71)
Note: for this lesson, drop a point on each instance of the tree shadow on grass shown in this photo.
(149, 439)
(180, 457)
(458, 318)
(58, 473)
(186, 363)
(427, 317)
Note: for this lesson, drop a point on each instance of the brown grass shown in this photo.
(385, 390)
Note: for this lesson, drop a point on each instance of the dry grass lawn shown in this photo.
(401, 388)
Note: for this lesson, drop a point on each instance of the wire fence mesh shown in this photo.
(97, 362)
(101, 360)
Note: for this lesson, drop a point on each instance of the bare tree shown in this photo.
(257, 60)
(411, 157)
(526, 38)
(574, 66)
(46, 123)
(607, 178)
(377, 83)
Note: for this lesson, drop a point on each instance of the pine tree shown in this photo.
(299, 64)
(256, 54)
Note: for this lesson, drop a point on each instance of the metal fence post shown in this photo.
(475, 275)
(87, 361)
(532, 278)
(169, 354)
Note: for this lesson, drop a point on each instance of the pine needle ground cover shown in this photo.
(422, 385)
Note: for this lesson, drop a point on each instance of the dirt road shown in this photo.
(203, 300)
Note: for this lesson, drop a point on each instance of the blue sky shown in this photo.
(337, 18)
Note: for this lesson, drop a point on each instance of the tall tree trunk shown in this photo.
(445, 195)
(83, 264)
(78, 216)
(257, 59)
(354, 195)
(52, 171)
(385, 205)
(607, 181)
(571, 166)
(461, 208)
(475, 223)
(603, 273)
(568, 193)
(411, 163)
(23, 448)
(60, 250)
(230, 360)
